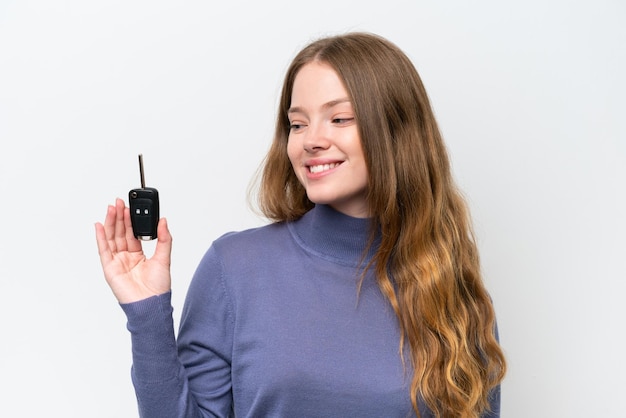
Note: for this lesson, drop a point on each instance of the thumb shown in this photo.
(163, 250)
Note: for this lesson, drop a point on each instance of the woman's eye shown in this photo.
(342, 121)
(295, 126)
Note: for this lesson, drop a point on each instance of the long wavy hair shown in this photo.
(427, 264)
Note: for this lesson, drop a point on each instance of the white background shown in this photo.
(530, 96)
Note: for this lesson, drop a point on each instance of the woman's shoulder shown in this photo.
(239, 255)
(252, 239)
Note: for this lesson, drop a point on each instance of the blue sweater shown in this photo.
(273, 326)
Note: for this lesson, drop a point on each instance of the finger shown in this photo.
(109, 227)
(120, 226)
(133, 243)
(163, 249)
(103, 245)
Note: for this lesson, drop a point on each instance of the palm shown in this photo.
(132, 276)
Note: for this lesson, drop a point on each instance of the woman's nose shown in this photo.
(317, 138)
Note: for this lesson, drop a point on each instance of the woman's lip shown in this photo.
(321, 161)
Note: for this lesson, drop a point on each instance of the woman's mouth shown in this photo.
(320, 168)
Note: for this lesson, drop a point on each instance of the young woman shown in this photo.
(362, 299)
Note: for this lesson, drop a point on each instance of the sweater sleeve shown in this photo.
(157, 374)
(188, 378)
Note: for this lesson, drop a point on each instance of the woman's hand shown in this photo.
(128, 272)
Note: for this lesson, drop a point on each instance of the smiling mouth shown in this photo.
(314, 169)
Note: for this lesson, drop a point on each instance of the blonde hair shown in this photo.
(427, 263)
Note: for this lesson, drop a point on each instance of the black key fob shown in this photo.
(144, 209)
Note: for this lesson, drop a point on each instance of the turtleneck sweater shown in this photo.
(275, 324)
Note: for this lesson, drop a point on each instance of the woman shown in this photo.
(363, 297)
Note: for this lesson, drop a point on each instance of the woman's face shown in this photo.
(324, 145)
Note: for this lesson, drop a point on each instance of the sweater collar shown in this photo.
(334, 236)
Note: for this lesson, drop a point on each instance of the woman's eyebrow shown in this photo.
(327, 105)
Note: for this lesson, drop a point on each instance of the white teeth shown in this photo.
(322, 167)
